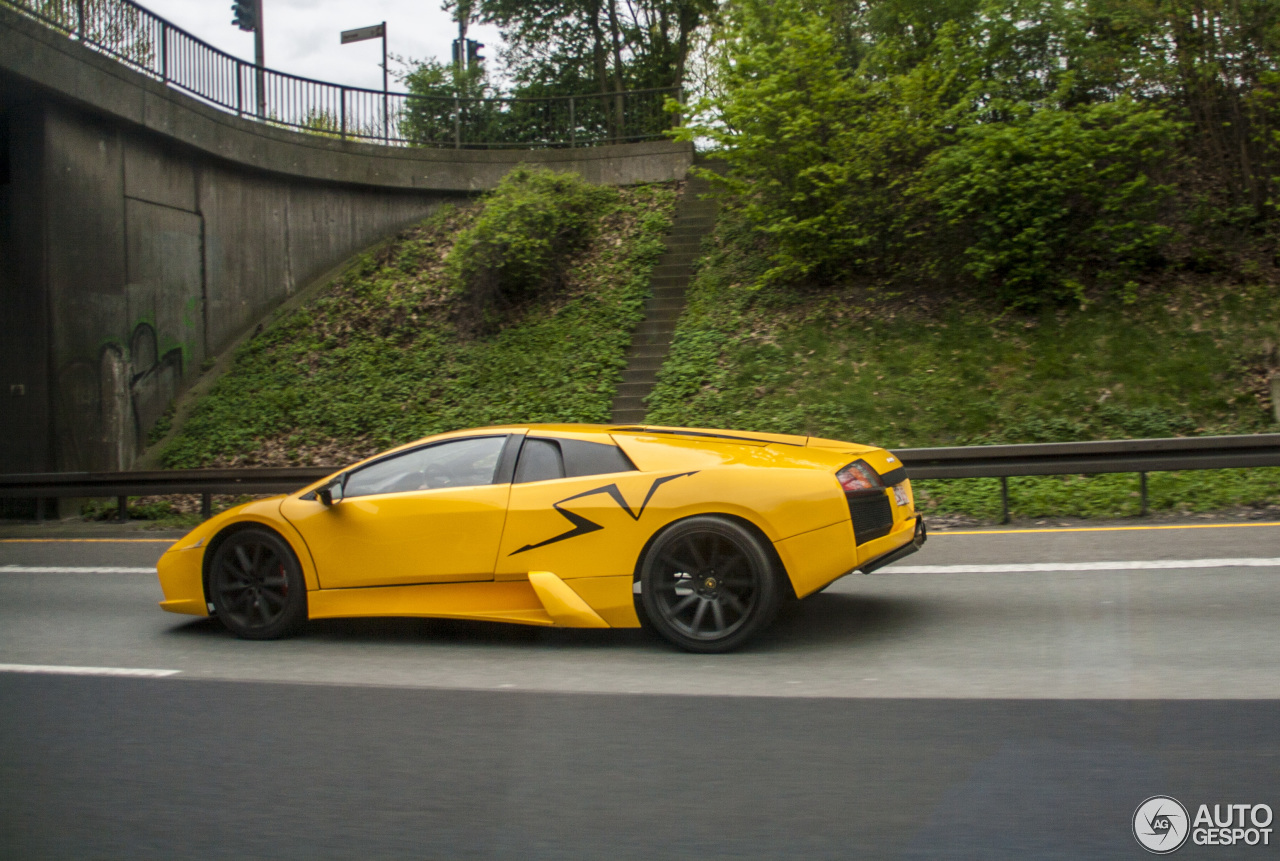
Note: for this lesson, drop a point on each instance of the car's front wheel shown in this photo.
(708, 584)
(256, 585)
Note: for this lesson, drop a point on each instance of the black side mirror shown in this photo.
(331, 492)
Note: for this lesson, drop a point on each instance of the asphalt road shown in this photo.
(946, 713)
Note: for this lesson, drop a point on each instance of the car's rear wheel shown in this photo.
(708, 584)
(256, 585)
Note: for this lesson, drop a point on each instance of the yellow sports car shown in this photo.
(698, 533)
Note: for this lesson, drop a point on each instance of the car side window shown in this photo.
(467, 462)
(543, 459)
(540, 460)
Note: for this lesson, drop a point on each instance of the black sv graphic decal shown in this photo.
(583, 526)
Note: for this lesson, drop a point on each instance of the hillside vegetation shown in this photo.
(518, 308)
(992, 221)
(913, 369)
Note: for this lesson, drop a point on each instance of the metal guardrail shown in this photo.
(994, 461)
(122, 485)
(1091, 458)
(165, 52)
(249, 480)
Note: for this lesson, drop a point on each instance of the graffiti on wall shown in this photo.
(111, 405)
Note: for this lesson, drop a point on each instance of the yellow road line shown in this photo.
(87, 540)
(933, 533)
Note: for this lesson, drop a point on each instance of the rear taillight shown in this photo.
(859, 477)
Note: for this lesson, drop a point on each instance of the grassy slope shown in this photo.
(920, 371)
(377, 359)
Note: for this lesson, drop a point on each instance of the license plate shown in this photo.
(900, 495)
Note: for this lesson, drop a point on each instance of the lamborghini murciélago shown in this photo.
(700, 534)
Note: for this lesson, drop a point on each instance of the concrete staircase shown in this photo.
(693, 220)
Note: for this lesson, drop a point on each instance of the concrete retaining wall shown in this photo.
(142, 232)
(135, 261)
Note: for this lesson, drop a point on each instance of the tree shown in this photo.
(1039, 204)
(970, 142)
(447, 105)
(581, 47)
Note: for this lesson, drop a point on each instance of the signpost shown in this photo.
(360, 34)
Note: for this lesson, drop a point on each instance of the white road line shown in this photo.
(1127, 565)
(69, 569)
(86, 671)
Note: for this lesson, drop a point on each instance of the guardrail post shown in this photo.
(206, 505)
(122, 509)
(457, 123)
(1142, 491)
(239, 88)
(573, 126)
(80, 19)
(1004, 499)
(342, 102)
(39, 509)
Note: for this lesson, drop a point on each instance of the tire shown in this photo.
(708, 585)
(256, 585)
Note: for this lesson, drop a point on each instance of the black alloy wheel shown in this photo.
(256, 585)
(707, 584)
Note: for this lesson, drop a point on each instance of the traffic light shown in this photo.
(465, 58)
(246, 14)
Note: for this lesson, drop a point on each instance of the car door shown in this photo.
(433, 514)
(577, 509)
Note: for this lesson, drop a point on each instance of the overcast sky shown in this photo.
(302, 36)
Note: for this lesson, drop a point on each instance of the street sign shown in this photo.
(377, 31)
(360, 34)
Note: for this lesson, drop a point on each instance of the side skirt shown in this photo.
(507, 601)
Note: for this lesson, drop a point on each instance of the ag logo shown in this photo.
(1160, 824)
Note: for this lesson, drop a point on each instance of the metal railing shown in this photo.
(994, 461)
(165, 52)
(122, 485)
(1092, 458)
(1139, 456)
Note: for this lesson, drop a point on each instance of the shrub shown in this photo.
(1037, 205)
(518, 246)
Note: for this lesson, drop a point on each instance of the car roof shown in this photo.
(708, 434)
